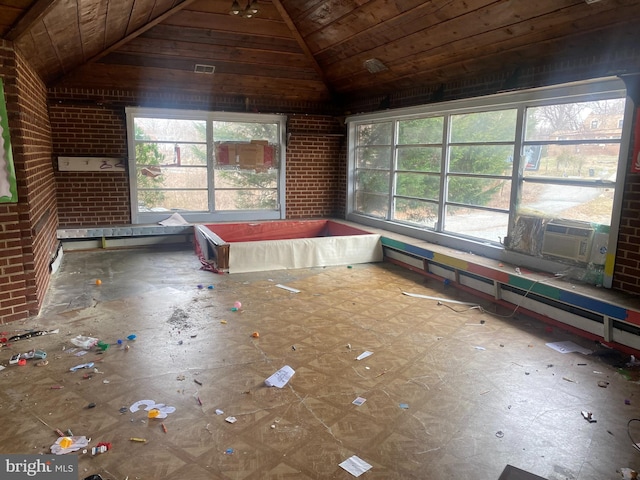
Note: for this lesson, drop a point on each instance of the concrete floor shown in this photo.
(480, 395)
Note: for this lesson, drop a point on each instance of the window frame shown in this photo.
(211, 215)
(591, 90)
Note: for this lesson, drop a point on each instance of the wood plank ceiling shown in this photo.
(307, 50)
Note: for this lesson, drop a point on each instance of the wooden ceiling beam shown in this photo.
(33, 15)
(303, 45)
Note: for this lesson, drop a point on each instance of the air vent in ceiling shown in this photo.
(373, 65)
(209, 69)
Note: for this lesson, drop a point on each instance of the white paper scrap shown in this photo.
(364, 355)
(355, 466)
(439, 299)
(294, 290)
(359, 401)
(231, 419)
(174, 220)
(568, 347)
(280, 378)
(219, 412)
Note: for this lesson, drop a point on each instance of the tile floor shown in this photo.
(479, 395)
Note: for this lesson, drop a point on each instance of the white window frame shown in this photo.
(574, 92)
(213, 215)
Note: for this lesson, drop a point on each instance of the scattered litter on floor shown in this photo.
(219, 412)
(355, 466)
(197, 381)
(255, 334)
(603, 384)
(138, 440)
(364, 355)
(588, 416)
(404, 406)
(569, 380)
(84, 342)
(479, 348)
(292, 290)
(163, 410)
(81, 353)
(81, 366)
(164, 427)
(101, 447)
(499, 434)
(568, 347)
(66, 445)
(228, 451)
(439, 299)
(231, 419)
(628, 473)
(627, 402)
(359, 401)
(280, 378)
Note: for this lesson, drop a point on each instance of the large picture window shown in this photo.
(485, 170)
(205, 166)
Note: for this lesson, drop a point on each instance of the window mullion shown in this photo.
(444, 172)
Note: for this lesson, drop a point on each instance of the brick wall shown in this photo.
(316, 167)
(90, 198)
(28, 228)
(626, 275)
(93, 122)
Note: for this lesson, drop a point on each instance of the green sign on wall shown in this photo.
(8, 187)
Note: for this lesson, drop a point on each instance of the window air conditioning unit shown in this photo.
(567, 240)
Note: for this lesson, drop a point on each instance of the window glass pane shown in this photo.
(497, 126)
(575, 121)
(375, 205)
(246, 199)
(482, 159)
(421, 159)
(172, 177)
(245, 132)
(588, 204)
(482, 192)
(169, 130)
(417, 212)
(374, 134)
(245, 179)
(584, 161)
(491, 226)
(418, 185)
(373, 157)
(420, 130)
(172, 200)
(372, 181)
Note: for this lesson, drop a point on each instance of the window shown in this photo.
(205, 166)
(468, 169)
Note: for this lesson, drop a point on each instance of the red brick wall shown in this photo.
(28, 228)
(90, 123)
(316, 167)
(90, 198)
(626, 275)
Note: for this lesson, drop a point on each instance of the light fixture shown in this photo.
(249, 11)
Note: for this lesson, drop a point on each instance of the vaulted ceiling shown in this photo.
(307, 50)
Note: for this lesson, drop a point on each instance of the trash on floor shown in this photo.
(84, 342)
(568, 347)
(101, 447)
(588, 416)
(628, 474)
(355, 466)
(364, 355)
(292, 290)
(404, 406)
(81, 366)
(65, 445)
(280, 378)
(359, 401)
(231, 419)
(162, 409)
